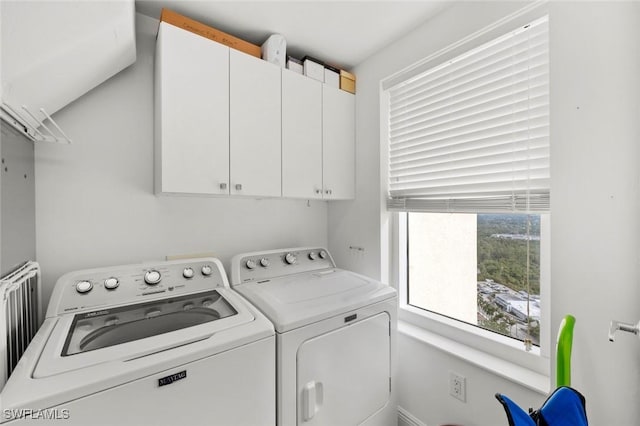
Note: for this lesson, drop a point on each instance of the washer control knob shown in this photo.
(264, 262)
(206, 270)
(290, 258)
(187, 273)
(207, 302)
(187, 306)
(251, 264)
(111, 283)
(152, 277)
(84, 287)
(313, 255)
(323, 254)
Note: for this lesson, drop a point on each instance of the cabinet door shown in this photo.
(255, 128)
(338, 133)
(301, 136)
(191, 113)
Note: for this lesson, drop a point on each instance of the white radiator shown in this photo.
(20, 315)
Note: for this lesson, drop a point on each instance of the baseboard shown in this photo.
(405, 418)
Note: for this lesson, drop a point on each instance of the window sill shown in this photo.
(520, 375)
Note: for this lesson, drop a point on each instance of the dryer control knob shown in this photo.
(251, 264)
(264, 262)
(323, 254)
(206, 270)
(290, 258)
(84, 287)
(187, 273)
(313, 255)
(152, 277)
(111, 283)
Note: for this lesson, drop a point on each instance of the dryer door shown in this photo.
(343, 377)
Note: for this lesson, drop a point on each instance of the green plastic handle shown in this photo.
(563, 351)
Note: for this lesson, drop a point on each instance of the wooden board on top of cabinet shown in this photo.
(301, 136)
(338, 144)
(191, 113)
(255, 126)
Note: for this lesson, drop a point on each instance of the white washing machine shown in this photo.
(167, 343)
(335, 334)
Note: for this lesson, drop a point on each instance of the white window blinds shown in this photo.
(472, 134)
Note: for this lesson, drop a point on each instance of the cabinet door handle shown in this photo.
(328, 191)
(223, 185)
(238, 187)
(318, 191)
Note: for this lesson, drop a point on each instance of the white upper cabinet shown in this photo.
(255, 126)
(301, 136)
(338, 144)
(227, 123)
(191, 113)
(318, 140)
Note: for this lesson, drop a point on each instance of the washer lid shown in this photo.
(100, 329)
(297, 300)
(133, 331)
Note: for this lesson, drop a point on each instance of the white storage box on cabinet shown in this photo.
(191, 113)
(255, 126)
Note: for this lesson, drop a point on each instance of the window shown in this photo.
(469, 174)
(483, 269)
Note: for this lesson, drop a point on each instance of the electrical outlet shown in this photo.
(458, 386)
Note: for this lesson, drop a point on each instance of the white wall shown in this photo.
(595, 155)
(595, 207)
(95, 204)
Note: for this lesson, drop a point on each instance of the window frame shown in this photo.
(440, 331)
(475, 337)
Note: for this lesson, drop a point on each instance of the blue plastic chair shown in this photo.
(565, 406)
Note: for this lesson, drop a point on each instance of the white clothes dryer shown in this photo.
(335, 336)
(166, 343)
